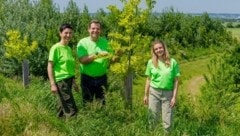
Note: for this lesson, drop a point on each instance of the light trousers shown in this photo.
(159, 103)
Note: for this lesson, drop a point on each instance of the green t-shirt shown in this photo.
(63, 61)
(162, 77)
(86, 47)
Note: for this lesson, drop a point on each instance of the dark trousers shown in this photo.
(66, 106)
(93, 87)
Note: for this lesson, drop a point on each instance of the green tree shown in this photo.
(229, 25)
(127, 40)
(20, 49)
(84, 18)
(220, 96)
(72, 16)
(38, 21)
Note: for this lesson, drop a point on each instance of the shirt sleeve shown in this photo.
(52, 54)
(81, 50)
(148, 68)
(176, 69)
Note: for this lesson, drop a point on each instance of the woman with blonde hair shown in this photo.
(161, 85)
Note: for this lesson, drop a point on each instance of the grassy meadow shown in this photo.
(235, 32)
(208, 102)
(31, 111)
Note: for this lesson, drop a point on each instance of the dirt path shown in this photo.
(194, 85)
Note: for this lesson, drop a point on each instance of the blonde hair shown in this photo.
(165, 57)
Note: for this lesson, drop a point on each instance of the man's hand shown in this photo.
(102, 54)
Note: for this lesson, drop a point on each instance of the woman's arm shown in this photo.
(175, 91)
(147, 86)
(51, 76)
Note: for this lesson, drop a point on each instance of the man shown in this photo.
(93, 53)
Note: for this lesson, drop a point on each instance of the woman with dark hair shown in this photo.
(161, 85)
(61, 72)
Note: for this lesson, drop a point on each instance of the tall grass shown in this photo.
(20, 115)
(31, 111)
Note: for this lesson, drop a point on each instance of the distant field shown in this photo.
(234, 24)
(235, 32)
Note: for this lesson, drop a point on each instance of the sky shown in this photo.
(185, 6)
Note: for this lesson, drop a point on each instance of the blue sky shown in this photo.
(185, 6)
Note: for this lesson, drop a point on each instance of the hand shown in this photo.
(102, 54)
(54, 88)
(173, 102)
(145, 100)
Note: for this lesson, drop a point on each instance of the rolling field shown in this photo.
(235, 32)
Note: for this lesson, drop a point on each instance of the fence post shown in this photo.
(128, 81)
(25, 72)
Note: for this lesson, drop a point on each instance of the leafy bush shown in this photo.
(221, 94)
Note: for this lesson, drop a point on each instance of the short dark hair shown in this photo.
(64, 26)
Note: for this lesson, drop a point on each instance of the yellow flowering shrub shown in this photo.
(18, 47)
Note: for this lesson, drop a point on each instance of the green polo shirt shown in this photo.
(63, 61)
(162, 77)
(86, 47)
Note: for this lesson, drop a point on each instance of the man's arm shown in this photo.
(87, 59)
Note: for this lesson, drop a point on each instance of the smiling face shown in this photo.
(94, 31)
(158, 50)
(66, 35)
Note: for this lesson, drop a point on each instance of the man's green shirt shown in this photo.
(86, 47)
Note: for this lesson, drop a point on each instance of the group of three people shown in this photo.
(162, 73)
